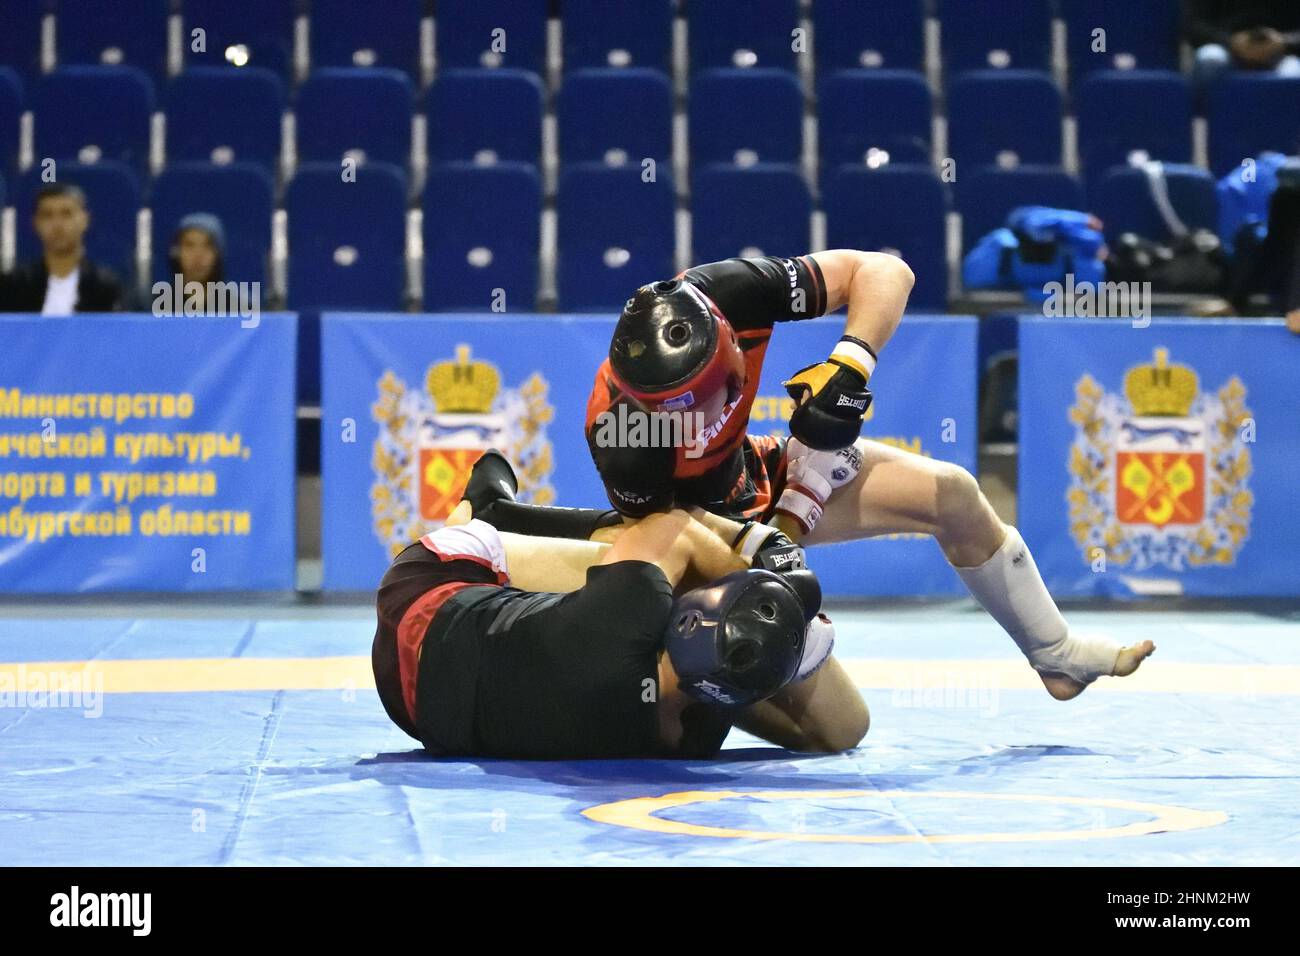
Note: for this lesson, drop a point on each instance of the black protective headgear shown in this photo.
(739, 640)
(673, 348)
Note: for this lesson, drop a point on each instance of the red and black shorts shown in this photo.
(421, 579)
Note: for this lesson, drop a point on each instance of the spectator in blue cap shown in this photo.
(197, 258)
(198, 248)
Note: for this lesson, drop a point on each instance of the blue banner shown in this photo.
(409, 401)
(1160, 459)
(139, 453)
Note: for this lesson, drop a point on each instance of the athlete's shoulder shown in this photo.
(756, 291)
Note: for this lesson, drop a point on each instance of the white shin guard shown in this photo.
(1010, 588)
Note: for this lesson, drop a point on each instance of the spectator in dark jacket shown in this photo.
(1243, 34)
(63, 280)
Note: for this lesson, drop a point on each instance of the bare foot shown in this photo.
(1129, 659)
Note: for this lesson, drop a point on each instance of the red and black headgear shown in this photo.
(673, 349)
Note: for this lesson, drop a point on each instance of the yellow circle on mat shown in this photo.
(640, 814)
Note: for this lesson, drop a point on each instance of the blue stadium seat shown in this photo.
(979, 34)
(1140, 34)
(615, 233)
(763, 210)
(113, 197)
(347, 241)
(742, 33)
(216, 114)
(1121, 112)
(111, 32)
(11, 112)
(612, 114)
(239, 194)
(505, 122)
(1250, 113)
(90, 113)
(348, 33)
(1122, 200)
(735, 111)
(346, 109)
(240, 33)
(985, 197)
(20, 40)
(880, 33)
(864, 110)
(481, 232)
(617, 33)
(491, 33)
(1004, 117)
(896, 208)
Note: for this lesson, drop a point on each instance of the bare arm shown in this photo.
(823, 714)
(874, 286)
(685, 550)
(550, 564)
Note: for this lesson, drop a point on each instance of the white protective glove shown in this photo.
(811, 476)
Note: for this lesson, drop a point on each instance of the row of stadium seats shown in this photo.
(1003, 117)
(482, 225)
(974, 34)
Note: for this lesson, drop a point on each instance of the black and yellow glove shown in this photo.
(833, 396)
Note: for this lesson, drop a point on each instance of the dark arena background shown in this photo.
(276, 273)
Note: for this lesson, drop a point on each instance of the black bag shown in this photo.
(1192, 263)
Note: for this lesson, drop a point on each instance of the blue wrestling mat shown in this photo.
(222, 740)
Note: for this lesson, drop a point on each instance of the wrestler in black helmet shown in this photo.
(672, 348)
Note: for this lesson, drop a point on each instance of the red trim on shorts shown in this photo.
(476, 558)
(411, 630)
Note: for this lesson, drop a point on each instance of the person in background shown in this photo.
(197, 255)
(1243, 35)
(1268, 262)
(198, 248)
(63, 280)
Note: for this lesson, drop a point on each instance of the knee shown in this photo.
(846, 732)
(958, 499)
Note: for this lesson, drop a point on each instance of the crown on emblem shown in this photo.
(461, 385)
(1161, 390)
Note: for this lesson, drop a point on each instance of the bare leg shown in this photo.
(550, 564)
(900, 492)
(823, 714)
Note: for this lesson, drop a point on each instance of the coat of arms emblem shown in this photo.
(1159, 474)
(428, 442)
